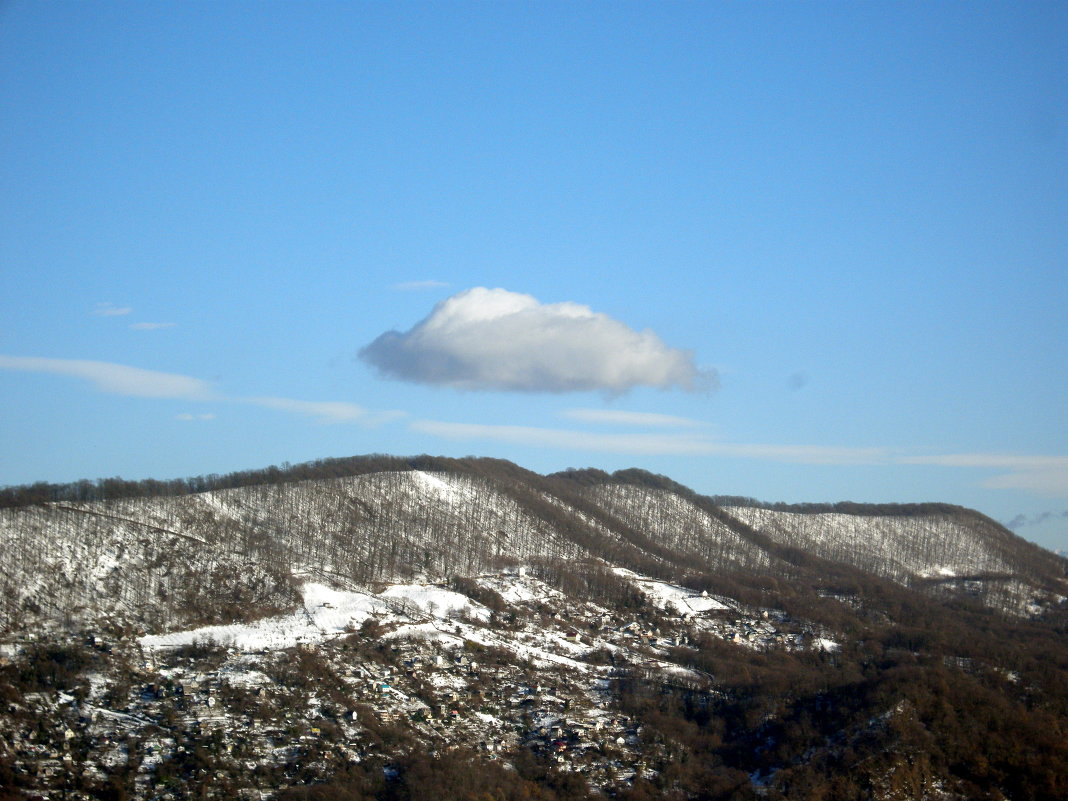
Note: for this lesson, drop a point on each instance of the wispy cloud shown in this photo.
(111, 310)
(1042, 475)
(493, 339)
(151, 326)
(620, 417)
(804, 454)
(118, 379)
(557, 438)
(327, 411)
(647, 444)
(418, 286)
(1007, 461)
(121, 379)
(1052, 482)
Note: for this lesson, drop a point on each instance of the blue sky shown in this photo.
(792, 251)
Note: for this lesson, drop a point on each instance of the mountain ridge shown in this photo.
(377, 518)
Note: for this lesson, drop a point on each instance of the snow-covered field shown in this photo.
(412, 611)
(436, 601)
(326, 613)
(669, 597)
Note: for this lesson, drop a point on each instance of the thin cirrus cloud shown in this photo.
(1040, 475)
(1050, 481)
(111, 310)
(621, 417)
(327, 411)
(117, 379)
(493, 339)
(1009, 461)
(648, 444)
(121, 379)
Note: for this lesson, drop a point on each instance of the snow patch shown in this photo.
(665, 596)
(433, 484)
(327, 613)
(437, 602)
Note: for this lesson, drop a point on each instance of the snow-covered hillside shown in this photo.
(676, 522)
(954, 551)
(897, 547)
(242, 553)
(215, 555)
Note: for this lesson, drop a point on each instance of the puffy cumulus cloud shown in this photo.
(495, 339)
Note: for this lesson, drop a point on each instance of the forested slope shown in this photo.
(163, 553)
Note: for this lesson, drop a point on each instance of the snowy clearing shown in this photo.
(665, 596)
(327, 613)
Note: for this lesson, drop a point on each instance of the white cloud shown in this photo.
(804, 454)
(1052, 481)
(151, 326)
(1040, 475)
(495, 339)
(620, 417)
(326, 411)
(111, 310)
(649, 444)
(559, 438)
(1006, 461)
(121, 379)
(416, 286)
(115, 378)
